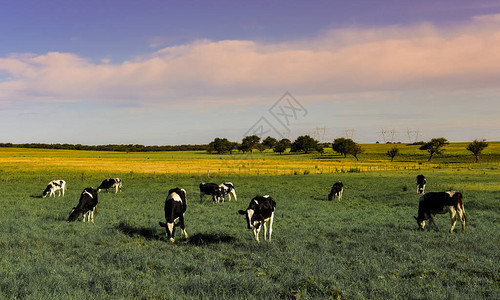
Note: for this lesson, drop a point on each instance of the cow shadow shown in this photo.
(203, 239)
(36, 196)
(147, 233)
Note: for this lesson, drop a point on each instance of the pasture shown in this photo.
(365, 246)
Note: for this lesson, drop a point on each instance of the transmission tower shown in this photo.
(349, 133)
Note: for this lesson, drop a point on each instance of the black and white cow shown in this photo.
(175, 207)
(227, 188)
(337, 190)
(259, 212)
(86, 205)
(434, 203)
(421, 181)
(211, 189)
(111, 183)
(53, 186)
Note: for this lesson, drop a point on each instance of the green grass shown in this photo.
(363, 247)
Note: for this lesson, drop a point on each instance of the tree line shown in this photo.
(111, 147)
(303, 144)
(343, 146)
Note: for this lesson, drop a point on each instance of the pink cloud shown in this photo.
(353, 60)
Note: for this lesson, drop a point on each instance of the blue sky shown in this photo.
(178, 72)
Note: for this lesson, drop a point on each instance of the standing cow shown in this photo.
(53, 187)
(421, 181)
(110, 183)
(211, 189)
(227, 188)
(259, 212)
(86, 206)
(337, 190)
(175, 207)
(434, 203)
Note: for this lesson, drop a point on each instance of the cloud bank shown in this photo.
(351, 60)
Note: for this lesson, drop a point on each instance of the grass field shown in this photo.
(363, 247)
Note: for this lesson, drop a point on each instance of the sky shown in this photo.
(157, 72)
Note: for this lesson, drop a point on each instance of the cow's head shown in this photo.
(420, 188)
(420, 223)
(46, 191)
(421, 181)
(252, 221)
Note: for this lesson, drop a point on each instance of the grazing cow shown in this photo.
(227, 188)
(211, 189)
(86, 206)
(175, 207)
(421, 181)
(260, 211)
(53, 186)
(337, 190)
(434, 203)
(111, 183)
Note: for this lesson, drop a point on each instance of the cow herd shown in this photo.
(260, 211)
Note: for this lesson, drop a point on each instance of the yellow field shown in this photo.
(15, 160)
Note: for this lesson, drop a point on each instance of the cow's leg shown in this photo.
(256, 234)
(453, 218)
(461, 215)
(265, 230)
(63, 191)
(84, 217)
(433, 221)
(91, 215)
(271, 225)
(201, 196)
(340, 194)
(183, 229)
(170, 231)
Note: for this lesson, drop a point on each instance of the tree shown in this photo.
(282, 145)
(343, 146)
(355, 150)
(434, 146)
(249, 143)
(393, 152)
(220, 146)
(476, 147)
(304, 143)
(269, 142)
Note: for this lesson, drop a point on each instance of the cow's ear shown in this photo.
(242, 212)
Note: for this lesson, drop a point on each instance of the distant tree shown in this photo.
(249, 143)
(269, 142)
(234, 146)
(282, 145)
(392, 152)
(320, 149)
(476, 147)
(219, 145)
(260, 147)
(356, 150)
(435, 146)
(304, 143)
(343, 145)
